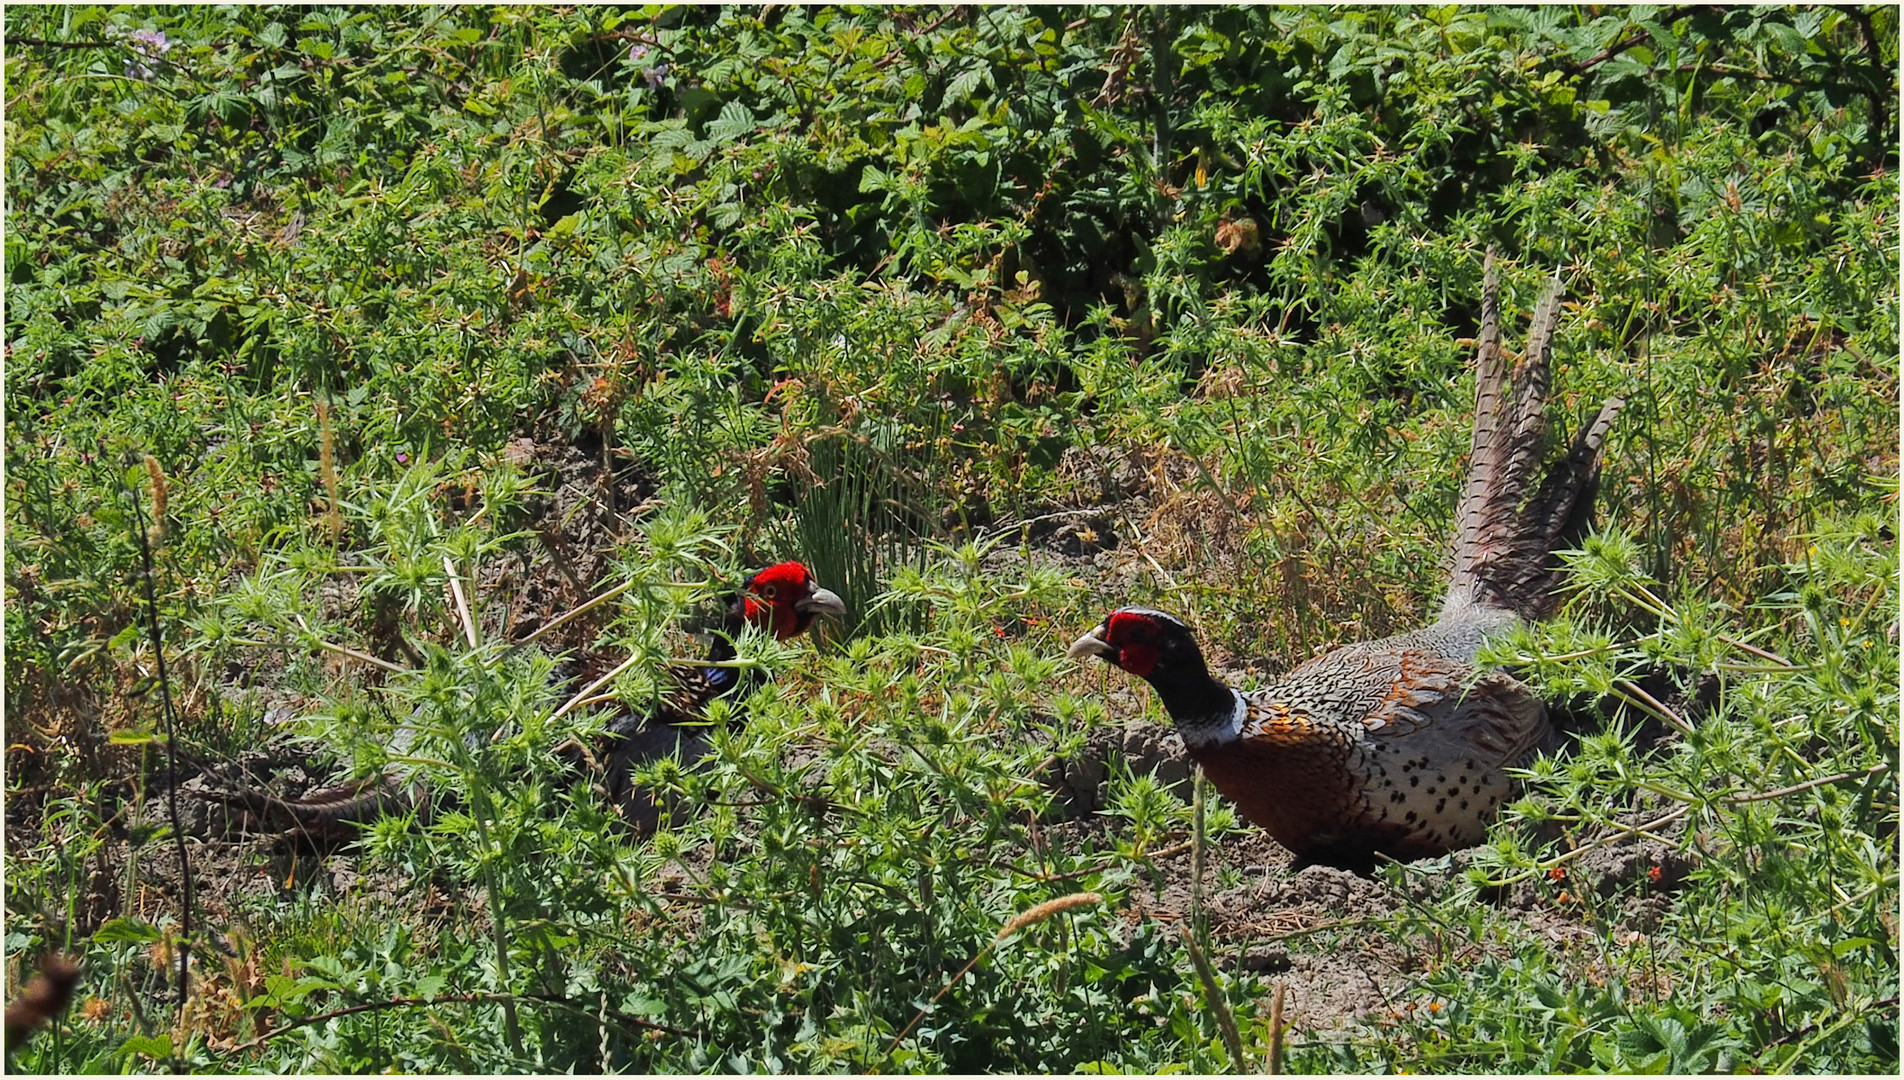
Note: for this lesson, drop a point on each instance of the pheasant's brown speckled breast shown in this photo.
(1387, 749)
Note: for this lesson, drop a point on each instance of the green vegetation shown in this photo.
(287, 289)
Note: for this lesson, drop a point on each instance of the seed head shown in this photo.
(159, 492)
(1035, 915)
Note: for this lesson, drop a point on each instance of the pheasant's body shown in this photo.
(1400, 745)
(783, 600)
(1384, 746)
(674, 726)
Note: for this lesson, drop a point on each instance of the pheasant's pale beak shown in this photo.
(1092, 645)
(821, 602)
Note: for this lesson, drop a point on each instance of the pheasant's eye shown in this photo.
(767, 592)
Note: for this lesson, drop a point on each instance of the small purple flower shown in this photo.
(651, 75)
(403, 458)
(146, 45)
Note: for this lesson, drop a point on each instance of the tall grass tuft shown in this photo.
(862, 514)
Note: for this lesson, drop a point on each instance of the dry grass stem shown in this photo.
(462, 602)
(1038, 914)
(1632, 693)
(327, 468)
(1274, 1066)
(159, 491)
(583, 696)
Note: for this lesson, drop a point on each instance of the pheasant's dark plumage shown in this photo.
(782, 600)
(1400, 745)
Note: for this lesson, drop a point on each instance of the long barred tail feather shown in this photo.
(1510, 519)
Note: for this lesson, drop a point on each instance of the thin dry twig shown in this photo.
(1746, 646)
(355, 654)
(1762, 796)
(1615, 49)
(582, 696)
(340, 650)
(462, 602)
(574, 613)
(1632, 692)
(1274, 1066)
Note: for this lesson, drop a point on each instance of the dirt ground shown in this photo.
(1305, 929)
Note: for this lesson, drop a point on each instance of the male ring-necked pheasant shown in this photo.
(783, 600)
(1399, 746)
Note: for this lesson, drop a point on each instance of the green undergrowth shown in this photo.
(1773, 815)
(886, 290)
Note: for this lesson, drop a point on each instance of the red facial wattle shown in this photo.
(772, 594)
(786, 621)
(1136, 640)
(1139, 658)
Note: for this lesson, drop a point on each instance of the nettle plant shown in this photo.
(853, 879)
(1771, 811)
(429, 688)
(872, 887)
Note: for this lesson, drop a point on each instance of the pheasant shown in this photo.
(783, 600)
(1399, 746)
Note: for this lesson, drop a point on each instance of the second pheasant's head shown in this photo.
(1161, 650)
(784, 600)
(1149, 644)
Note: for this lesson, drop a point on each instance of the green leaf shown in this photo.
(126, 930)
(734, 121)
(152, 1046)
(962, 84)
(1841, 949)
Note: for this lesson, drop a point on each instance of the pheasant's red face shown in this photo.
(1136, 637)
(784, 599)
(1132, 639)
